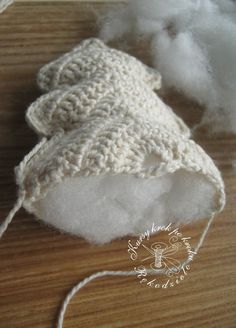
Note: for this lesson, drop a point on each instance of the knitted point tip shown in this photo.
(116, 158)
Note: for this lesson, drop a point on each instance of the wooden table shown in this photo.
(39, 265)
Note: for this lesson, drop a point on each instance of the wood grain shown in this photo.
(39, 265)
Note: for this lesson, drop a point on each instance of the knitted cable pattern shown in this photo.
(101, 115)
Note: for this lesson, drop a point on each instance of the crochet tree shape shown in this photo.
(112, 158)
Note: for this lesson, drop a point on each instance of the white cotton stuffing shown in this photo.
(193, 44)
(105, 207)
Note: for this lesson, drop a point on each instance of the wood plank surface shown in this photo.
(38, 265)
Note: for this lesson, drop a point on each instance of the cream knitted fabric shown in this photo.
(101, 118)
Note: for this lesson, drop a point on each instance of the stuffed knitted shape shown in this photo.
(113, 158)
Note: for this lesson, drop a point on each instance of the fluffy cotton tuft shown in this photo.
(193, 43)
(102, 208)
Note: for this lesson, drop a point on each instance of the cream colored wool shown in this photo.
(101, 122)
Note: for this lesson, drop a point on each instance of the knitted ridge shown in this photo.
(94, 81)
(101, 116)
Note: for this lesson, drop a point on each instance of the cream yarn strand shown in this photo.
(4, 4)
(101, 274)
(21, 195)
(11, 214)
